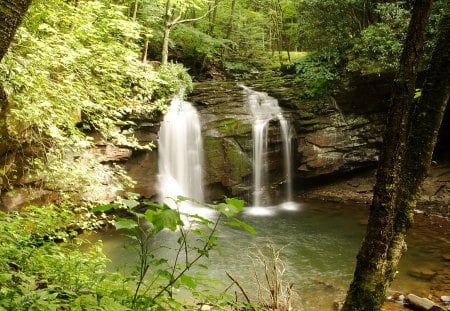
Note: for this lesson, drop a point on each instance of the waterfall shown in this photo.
(180, 153)
(265, 109)
(287, 138)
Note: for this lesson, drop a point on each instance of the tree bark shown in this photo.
(167, 28)
(11, 15)
(392, 206)
(135, 9)
(212, 17)
(231, 21)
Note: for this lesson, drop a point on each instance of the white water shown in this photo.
(180, 153)
(265, 108)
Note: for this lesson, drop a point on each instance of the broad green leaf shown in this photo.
(167, 218)
(164, 274)
(124, 223)
(188, 281)
(149, 214)
(104, 208)
(239, 204)
(228, 210)
(238, 223)
(153, 204)
(130, 203)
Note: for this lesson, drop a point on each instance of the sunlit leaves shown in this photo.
(124, 223)
(76, 68)
(163, 218)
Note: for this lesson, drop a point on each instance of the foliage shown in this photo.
(37, 273)
(75, 69)
(328, 26)
(316, 74)
(45, 266)
(198, 48)
(156, 278)
(379, 45)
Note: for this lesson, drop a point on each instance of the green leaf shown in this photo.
(124, 223)
(164, 274)
(105, 208)
(234, 222)
(167, 218)
(130, 203)
(188, 281)
(228, 210)
(153, 204)
(239, 204)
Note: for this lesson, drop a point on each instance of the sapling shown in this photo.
(156, 277)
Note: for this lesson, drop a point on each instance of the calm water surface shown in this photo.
(318, 242)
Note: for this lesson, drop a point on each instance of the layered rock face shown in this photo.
(331, 137)
(328, 139)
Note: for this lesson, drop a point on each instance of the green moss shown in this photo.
(232, 127)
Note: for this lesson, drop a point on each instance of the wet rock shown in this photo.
(15, 200)
(424, 304)
(446, 257)
(397, 297)
(142, 167)
(445, 299)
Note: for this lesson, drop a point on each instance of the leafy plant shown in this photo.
(73, 69)
(41, 268)
(156, 277)
(316, 74)
(379, 46)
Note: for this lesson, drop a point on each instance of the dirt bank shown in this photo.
(358, 188)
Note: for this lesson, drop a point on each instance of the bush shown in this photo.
(316, 74)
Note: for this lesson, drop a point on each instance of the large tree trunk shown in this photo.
(398, 180)
(11, 15)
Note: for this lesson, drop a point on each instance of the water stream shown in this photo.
(180, 153)
(265, 109)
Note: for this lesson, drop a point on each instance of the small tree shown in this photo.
(174, 16)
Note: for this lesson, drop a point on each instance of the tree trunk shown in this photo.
(394, 193)
(231, 21)
(11, 12)
(145, 50)
(213, 17)
(11, 15)
(135, 9)
(167, 27)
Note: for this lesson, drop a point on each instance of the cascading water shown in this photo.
(180, 153)
(264, 109)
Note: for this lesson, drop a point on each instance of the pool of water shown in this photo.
(318, 243)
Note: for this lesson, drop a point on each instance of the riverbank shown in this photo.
(358, 188)
(432, 219)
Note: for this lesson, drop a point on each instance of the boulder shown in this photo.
(423, 304)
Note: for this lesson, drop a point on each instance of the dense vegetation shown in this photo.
(77, 70)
